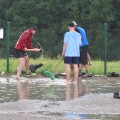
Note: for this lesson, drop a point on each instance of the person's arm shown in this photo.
(65, 44)
(80, 40)
(64, 49)
(33, 50)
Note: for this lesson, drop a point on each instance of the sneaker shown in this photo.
(33, 74)
(28, 74)
(86, 75)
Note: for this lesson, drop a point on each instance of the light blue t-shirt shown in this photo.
(83, 34)
(73, 41)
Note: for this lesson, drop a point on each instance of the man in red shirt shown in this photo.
(22, 46)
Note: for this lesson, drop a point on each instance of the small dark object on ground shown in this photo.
(116, 95)
(59, 75)
(33, 68)
(113, 74)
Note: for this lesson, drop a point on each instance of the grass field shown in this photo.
(52, 65)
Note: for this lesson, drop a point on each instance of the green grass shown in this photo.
(97, 67)
(49, 64)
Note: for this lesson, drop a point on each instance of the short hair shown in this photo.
(71, 24)
(34, 28)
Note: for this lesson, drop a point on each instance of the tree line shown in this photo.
(52, 16)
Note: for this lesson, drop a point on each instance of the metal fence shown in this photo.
(104, 51)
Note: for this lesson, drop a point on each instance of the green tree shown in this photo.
(52, 16)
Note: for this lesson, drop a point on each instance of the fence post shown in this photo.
(8, 44)
(105, 48)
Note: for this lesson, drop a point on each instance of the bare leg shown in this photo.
(21, 65)
(27, 63)
(88, 58)
(76, 71)
(68, 71)
(87, 68)
(87, 71)
(80, 69)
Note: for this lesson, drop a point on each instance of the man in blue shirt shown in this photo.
(71, 52)
(83, 50)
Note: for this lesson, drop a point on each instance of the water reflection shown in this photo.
(12, 90)
(76, 90)
(71, 92)
(23, 89)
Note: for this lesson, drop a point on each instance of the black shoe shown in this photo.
(116, 95)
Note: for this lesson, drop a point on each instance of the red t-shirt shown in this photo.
(24, 40)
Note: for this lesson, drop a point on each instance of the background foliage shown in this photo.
(52, 16)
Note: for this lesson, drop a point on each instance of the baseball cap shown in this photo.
(71, 24)
(75, 24)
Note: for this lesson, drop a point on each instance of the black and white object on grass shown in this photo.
(33, 68)
(39, 46)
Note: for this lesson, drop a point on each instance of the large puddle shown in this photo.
(91, 99)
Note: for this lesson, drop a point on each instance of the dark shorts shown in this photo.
(83, 55)
(20, 53)
(71, 60)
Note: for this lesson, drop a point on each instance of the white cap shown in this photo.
(74, 23)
